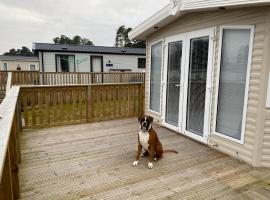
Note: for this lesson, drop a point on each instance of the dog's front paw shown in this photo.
(150, 165)
(135, 163)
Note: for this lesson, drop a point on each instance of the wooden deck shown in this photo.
(94, 161)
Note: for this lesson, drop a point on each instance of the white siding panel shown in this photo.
(118, 61)
(201, 20)
(122, 62)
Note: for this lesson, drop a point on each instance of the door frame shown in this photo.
(210, 32)
(172, 39)
(185, 38)
(91, 62)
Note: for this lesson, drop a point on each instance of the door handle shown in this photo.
(177, 85)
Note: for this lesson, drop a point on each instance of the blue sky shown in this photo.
(26, 21)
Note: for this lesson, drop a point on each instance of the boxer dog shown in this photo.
(149, 142)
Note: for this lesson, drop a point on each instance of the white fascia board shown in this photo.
(164, 16)
(203, 4)
(150, 23)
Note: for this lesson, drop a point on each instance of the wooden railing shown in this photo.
(25, 78)
(3, 80)
(9, 145)
(45, 106)
(68, 78)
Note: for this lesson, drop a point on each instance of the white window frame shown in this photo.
(29, 66)
(237, 27)
(3, 66)
(267, 105)
(161, 74)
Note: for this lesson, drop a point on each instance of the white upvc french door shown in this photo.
(173, 81)
(198, 84)
(188, 77)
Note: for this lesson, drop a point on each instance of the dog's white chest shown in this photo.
(144, 138)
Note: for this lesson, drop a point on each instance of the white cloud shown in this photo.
(27, 21)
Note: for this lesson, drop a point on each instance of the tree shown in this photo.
(24, 51)
(75, 40)
(122, 39)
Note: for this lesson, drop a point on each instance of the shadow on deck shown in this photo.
(94, 161)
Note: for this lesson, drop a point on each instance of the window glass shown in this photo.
(232, 82)
(65, 63)
(197, 80)
(32, 67)
(155, 77)
(5, 66)
(141, 63)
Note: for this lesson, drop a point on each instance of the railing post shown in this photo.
(13, 152)
(6, 182)
(79, 78)
(89, 104)
(141, 97)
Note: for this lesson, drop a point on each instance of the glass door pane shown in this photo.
(173, 82)
(197, 79)
(96, 64)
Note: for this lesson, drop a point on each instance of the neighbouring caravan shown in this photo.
(86, 58)
(207, 71)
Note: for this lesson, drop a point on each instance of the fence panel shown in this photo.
(3, 80)
(45, 106)
(25, 78)
(72, 78)
(53, 106)
(10, 155)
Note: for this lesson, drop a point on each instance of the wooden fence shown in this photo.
(3, 80)
(9, 145)
(69, 78)
(25, 78)
(46, 106)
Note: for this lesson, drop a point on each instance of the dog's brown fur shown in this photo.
(155, 149)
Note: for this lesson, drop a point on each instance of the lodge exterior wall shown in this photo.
(256, 148)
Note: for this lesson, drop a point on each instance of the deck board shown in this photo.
(94, 161)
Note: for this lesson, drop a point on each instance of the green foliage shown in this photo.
(24, 51)
(122, 39)
(75, 40)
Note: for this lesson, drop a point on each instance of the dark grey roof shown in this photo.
(87, 49)
(18, 58)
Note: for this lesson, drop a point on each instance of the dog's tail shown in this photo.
(170, 151)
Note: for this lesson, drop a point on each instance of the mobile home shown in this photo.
(85, 58)
(207, 71)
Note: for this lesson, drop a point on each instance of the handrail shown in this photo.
(9, 145)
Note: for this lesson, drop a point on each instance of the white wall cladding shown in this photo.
(246, 16)
(200, 4)
(118, 61)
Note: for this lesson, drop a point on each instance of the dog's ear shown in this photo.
(140, 118)
(151, 119)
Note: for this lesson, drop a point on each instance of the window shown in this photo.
(141, 63)
(19, 67)
(65, 63)
(233, 82)
(32, 67)
(155, 77)
(5, 66)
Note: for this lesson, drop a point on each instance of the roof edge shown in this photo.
(165, 15)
